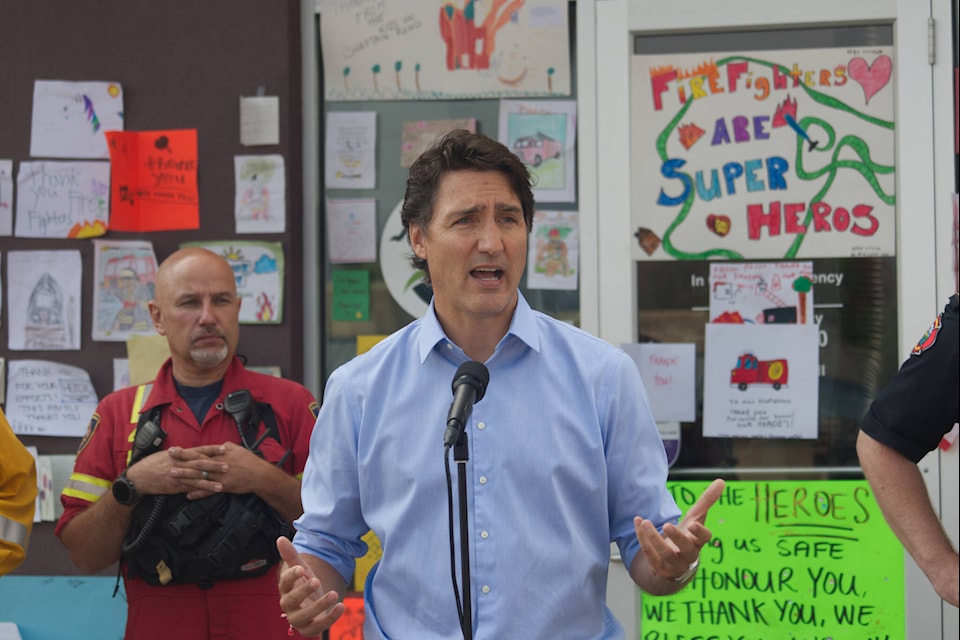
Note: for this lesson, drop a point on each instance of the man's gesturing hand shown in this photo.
(671, 554)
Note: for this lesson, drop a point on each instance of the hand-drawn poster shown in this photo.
(761, 292)
(47, 398)
(543, 135)
(258, 268)
(444, 49)
(763, 154)
(62, 199)
(554, 250)
(350, 153)
(154, 180)
(761, 353)
(794, 559)
(261, 194)
(70, 118)
(43, 300)
(6, 197)
(351, 230)
(760, 381)
(124, 275)
(420, 135)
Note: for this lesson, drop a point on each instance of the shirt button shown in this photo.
(449, 346)
(484, 534)
(481, 426)
(485, 588)
(483, 479)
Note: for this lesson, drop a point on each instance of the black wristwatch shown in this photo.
(123, 490)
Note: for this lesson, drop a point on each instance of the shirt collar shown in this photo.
(164, 389)
(523, 326)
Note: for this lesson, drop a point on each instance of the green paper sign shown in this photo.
(803, 560)
(351, 296)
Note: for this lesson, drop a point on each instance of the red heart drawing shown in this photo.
(720, 225)
(872, 77)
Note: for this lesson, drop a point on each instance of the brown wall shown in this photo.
(183, 64)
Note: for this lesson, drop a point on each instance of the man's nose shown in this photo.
(491, 238)
(207, 315)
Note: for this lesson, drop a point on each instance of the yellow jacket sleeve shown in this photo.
(18, 494)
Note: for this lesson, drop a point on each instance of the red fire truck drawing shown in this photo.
(751, 370)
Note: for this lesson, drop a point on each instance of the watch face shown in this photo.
(123, 490)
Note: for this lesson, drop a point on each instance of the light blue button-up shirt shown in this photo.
(563, 453)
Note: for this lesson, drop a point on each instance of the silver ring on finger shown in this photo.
(205, 474)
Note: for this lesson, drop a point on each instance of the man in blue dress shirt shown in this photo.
(564, 454)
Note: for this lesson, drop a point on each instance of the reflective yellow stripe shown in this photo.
(130, 439)
(143, 392)
(137, 403)
(81, 495)
(86, 487)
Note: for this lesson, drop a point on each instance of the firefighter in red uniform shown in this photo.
(206, 447)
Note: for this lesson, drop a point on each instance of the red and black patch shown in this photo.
(94, 423)
(928, 339)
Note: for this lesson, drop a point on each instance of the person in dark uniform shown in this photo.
(907, 420)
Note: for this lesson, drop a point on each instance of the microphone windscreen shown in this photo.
(475, 374)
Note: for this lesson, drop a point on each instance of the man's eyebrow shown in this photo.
(477, 208)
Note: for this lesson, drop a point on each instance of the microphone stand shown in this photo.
(461, 454)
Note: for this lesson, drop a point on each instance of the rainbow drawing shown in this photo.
(91, 114)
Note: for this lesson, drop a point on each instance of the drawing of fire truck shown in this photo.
(751, 370)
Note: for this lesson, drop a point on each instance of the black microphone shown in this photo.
(469, 385)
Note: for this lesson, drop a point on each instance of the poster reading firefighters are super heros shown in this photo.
(763, 155)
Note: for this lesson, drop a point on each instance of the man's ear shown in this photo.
(156, 317)
(416, 241)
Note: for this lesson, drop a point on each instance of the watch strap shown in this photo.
(686, 575)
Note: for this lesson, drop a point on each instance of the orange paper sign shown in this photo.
(153, 182)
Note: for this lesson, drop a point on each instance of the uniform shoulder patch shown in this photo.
(91, 428)
(314, 409)
(929, 338)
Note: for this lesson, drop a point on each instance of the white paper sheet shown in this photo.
(46, 398)
(669, 377)
(351, 145)
(43, 294)
(259, 120)
(69, 118)
(63, 199)
(351, 230)
(260, 199)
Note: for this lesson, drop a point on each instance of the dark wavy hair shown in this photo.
(459, 150)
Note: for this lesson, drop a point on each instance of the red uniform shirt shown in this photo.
(104, 452)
